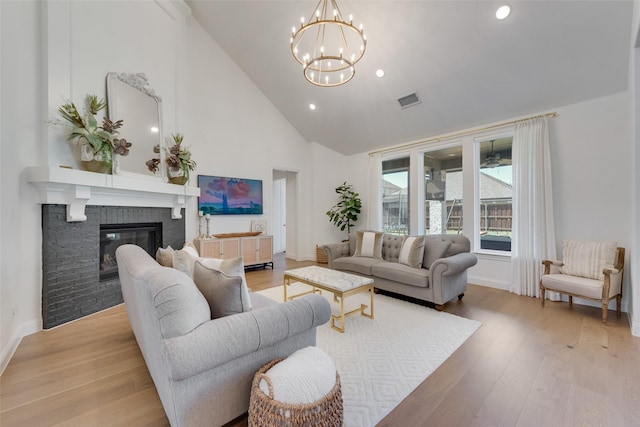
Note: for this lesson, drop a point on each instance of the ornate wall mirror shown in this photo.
(129, 98)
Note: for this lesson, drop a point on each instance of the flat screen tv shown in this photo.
(221, 195)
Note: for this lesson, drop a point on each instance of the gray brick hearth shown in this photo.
(71, 286)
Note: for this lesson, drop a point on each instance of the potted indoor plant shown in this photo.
(344, 214)
(177, 158)
(97, 143)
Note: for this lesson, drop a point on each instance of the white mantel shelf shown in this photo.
(77, 189)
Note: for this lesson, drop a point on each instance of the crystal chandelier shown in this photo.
(327, 46)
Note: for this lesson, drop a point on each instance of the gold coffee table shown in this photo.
(340, 284)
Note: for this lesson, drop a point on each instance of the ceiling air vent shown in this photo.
(409, 100)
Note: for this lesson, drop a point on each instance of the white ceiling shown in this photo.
(467, 67)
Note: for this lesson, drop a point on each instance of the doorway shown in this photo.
(284, 213)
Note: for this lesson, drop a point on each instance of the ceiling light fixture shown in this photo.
(380, 73)
(327, 46)
(312, 107)
(503, 12)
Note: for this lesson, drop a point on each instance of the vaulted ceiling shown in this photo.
(467, 67)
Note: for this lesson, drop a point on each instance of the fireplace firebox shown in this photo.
(147, 236)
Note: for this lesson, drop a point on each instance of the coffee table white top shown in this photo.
(329, 278)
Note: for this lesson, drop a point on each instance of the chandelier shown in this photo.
(327, 46)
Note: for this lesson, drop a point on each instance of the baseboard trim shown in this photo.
(8, 352)
(489, 283)
(635, 328)
(31, 327)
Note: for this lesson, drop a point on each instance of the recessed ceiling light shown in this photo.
(380, 73)
(154, 129)
(503, 12)
(312, 107)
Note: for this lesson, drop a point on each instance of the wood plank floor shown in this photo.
(526, 366)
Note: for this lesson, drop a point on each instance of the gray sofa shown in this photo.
(203, 368)
(443, 279)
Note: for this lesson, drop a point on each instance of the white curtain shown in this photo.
(533, 227)
(374, 209)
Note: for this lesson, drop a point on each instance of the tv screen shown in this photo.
(221, 195)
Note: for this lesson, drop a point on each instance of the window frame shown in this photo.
(452, 143)
(477, 205)
(397, 156)
(470, 181)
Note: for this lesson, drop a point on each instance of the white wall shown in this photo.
(20, 146)
(330, 170)
(86, 40)
(634, 87)
(592, 161)
(236, 131)
(593, 169)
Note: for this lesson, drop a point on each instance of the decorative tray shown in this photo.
(242, 234)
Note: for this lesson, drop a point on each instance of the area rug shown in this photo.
(382, 360)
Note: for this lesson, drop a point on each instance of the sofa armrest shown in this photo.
(451, 265)
(222, 340)
(335, 251)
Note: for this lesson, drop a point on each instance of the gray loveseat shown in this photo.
(203, 368)
(442, 277)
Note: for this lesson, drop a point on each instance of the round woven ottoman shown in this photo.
(294, 382)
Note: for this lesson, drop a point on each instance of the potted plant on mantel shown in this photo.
(97, 143)
(344, 214)
(178, 161)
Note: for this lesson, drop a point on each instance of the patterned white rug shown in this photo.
(381, 361)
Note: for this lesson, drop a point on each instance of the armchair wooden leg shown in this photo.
(542, 295)
(460, 296)
(570, 299)
(439, 307)
(605, 311)
(618, 306)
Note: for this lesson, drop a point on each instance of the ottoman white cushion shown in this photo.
(305, 376)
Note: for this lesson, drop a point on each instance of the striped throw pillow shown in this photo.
(587, 259)
(412, 251)
(369, 244)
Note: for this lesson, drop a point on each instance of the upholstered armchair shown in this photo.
(589, 270)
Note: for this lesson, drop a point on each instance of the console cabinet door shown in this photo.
(265, 249)
(230, 248)
(257, 250)
(219, 248)
(250, 250)
(209, 248)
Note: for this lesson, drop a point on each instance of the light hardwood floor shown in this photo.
(525, 366)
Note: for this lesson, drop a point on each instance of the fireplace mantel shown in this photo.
(77, 189)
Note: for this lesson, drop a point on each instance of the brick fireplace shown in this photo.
(71, 285)
(75, 206)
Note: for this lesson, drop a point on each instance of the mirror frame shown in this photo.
(139, 82)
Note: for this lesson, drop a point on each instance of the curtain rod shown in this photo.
(466, 132)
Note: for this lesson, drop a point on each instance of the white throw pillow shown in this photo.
(412, 251)
(183, 261)
(587, 259)
(304, 377)
(225, 294)
(165, 256)
(230, 267)
(369, 244)
(189, 247)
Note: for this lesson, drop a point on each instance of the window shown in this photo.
(395, 196)
(443, 191)
(494, 222)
